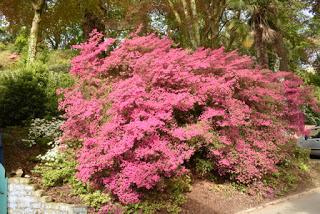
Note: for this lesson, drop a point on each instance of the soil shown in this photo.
(58, 193)
(208, 197)
(214, 198)
(17, 154)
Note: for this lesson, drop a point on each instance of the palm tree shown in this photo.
(263, 22)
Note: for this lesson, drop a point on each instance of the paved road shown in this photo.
(307, 204)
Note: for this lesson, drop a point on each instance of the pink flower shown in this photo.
(13, 56)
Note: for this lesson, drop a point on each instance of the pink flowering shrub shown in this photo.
(142, 108)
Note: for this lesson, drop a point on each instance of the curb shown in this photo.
(296, 196)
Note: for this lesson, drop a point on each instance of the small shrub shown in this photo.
(312, 117)
(95, 199)
(291, 171)
(43, 131)
(56, 172)
(46, 133)
(170, 199)
(203, 166)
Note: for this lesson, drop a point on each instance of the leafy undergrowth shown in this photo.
(201, 196)
(293, 173)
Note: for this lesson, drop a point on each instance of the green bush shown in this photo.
(95, 198)
(22, 97)
(312, 117)
(168, 200)
(292, 170)
(30, 92)
(58, 171)
(203, 166)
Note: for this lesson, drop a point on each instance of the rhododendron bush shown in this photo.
(142, 109)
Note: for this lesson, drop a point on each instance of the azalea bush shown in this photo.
(142, 109)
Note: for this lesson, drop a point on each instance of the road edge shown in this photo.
(296, 196)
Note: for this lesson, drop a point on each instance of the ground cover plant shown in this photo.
(142, 109)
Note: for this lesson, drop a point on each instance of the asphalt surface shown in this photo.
(307, 204)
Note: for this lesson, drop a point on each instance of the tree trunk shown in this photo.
(260, 46)
(281, 52)
(189, 23)
(214, 13)
(38, 6)
(180, 19)
(91, 22)
(196, 22)
(175, 12)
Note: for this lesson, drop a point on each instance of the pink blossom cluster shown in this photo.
(142, 108)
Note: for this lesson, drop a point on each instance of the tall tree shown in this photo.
(38, 7)
(197, 22)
